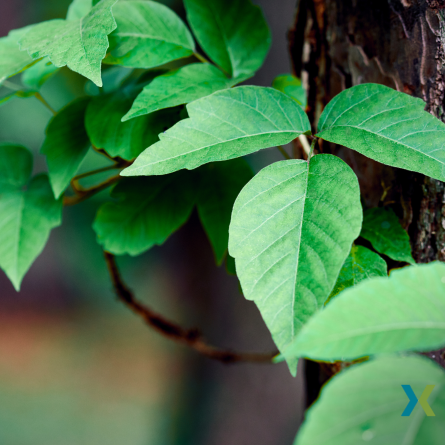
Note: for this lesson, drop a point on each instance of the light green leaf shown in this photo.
(234, 34)
(403, 312)
(79, 44)
(66, 144)
(292, 86)
(220, 184)
(79, 9)
(15, 166)
(147, 212)
(382, 229)
(178, 87)
(364, 404)
(35, 76)
(27, 219)
(148, 34)
(292, 228)
(124, 139)
(360, 265)
(225, 125)
(12, 60)
(387, 126)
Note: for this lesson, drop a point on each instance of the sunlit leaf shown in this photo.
(292, 86)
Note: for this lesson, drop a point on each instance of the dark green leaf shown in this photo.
(15, 166)
(382, 315)
(148, 34)
(66, 144)
(382, 229)
(147, 212)
(225, 125)
(292, 228)
(292, 86)
(178, 87)
(234, 34)
(387, 126)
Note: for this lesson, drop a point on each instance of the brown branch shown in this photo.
(171, 330)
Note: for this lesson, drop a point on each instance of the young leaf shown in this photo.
(292, 228)
(15, 166)
(148, 34)
(27, 219)
(225, 125)
(360, 265)
(124, 139)
(35, 76)
(365, 404)
(178, 87)
(387, 126)
(79, 9)
(220, 184)
(403, 312)
(12, 60)
(234, 34)
(293, 87)
(66, 144)
(147, 212)
(382, 229)
(79, 44)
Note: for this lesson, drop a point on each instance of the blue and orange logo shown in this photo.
(423, 400)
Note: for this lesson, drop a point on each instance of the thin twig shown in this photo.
(44, 102)
(283, 152)
(171, 330)
(305, 144)
(201, 58)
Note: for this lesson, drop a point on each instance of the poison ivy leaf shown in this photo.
(79, 44)
(225, 125)
(220, 184)
(27, 219)
(403, 312)
(234, 34)
(124, 139)
(179, 87)
(148, 34)
(382, 229)
(387, 126)
(66, 144)
(360, 265)
(365, 404)
(35, 76)
(292, 86)
(15, 166)
(113, 78)
(292, 228)
(12, 60)
(79, 9)
(147, 212)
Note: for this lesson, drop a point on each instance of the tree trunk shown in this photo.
(336, 44)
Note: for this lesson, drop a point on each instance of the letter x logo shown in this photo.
(423, 400)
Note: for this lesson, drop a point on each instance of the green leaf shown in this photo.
(234, 34)
(12, 60)
(364, 404)
(148, 34)
(20, 93)
(35, 76)
(387, 126)
(147, 212)
(79, 9)
(15, 166)
(382, 229)
(27, 219)
(225, 125)
(220, 184)
(292, 86)
(360, 265)
(66, 144)
(403, 312)
(292, 228)
(178, 87)
(79, 44)
(124, 139)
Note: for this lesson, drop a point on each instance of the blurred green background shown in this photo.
(76, 367)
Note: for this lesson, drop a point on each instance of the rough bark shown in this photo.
(336, 44)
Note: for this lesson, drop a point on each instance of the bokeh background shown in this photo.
(76, 367)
